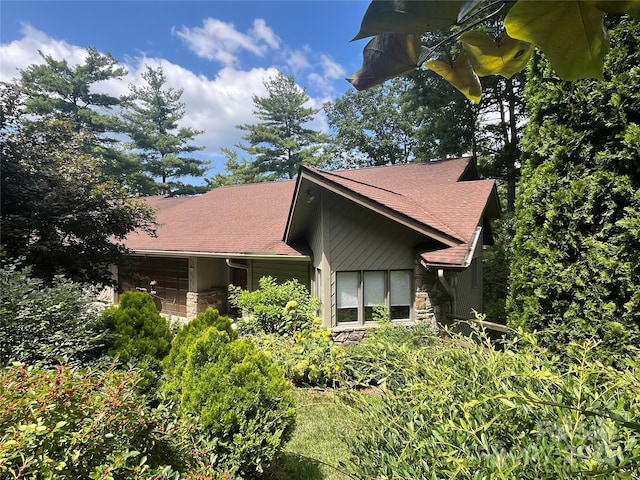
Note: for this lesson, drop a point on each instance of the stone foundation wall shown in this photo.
(198, 302)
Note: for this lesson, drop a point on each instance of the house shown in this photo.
(406, 236)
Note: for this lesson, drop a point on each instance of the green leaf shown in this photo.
(467, 8)
(631, 7)
(386, 56)
(490, 56)
(570, 34)
(406, 16)
(461, 75)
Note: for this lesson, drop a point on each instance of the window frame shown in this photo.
(362, 312)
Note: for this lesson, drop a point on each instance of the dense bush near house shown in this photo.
(373, 361)
(275, 308)
(46, 324)
(308, 358)
(140, 335)
(473, 412)
(240, 400)
(175, 362)
(72, 424)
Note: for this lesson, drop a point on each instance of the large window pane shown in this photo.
(400, 294)
(375, 292)
(347, 296)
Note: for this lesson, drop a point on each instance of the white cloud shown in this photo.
(21, 53)
(220, 41)
(260, 31)
(297, 61)
(215, 104)
(324, 80)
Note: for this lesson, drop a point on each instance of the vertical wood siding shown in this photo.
(363, 240)
(281, 270)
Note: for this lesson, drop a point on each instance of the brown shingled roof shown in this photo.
(233, 220)
(252, 219)
(433, 193)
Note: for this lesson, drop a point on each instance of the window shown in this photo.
(357, 293)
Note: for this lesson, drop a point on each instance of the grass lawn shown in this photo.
(318, 441)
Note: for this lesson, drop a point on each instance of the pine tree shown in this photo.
(57, 89)
(152, 115)
(279, 142)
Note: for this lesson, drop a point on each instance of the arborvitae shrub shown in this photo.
(576, 252)
(175, 362)
(240, 399)
(141, 336)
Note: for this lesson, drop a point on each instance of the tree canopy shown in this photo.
(58, 211)
(151, 117)
(280, 142)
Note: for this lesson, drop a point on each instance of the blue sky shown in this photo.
(219, 52)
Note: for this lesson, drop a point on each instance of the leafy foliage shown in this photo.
(473, 412)
(46, 324)
(239, 399)
(70, 424)
(140, 336)
(375, 127)
(569, 33)
(576, 250)
(56, 211)
(275, 308)
(308, 358)
(151, 117)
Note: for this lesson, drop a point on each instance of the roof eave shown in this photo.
(377, 207)
(252, 256)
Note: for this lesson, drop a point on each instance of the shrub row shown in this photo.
(472, 412)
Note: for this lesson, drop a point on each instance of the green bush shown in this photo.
(140, 335)
(175, 362)
(372, 361)
(46, 324)
(308, 358)
(576, 249)
(274, 308)
(472, 412)
(240, 400)
(72, 424)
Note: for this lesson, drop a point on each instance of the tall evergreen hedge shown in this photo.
(576, 267)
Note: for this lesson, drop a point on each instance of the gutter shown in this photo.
(248, 256)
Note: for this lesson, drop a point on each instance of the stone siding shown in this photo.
(198, 302)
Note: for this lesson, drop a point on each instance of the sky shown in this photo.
(219, 52)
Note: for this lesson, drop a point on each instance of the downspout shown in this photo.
(230, 263)
(449, 289)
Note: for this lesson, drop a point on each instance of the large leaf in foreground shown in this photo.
(408, 16)
(461, 75)
(387, 56)
(505, 56)
(570, 34)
